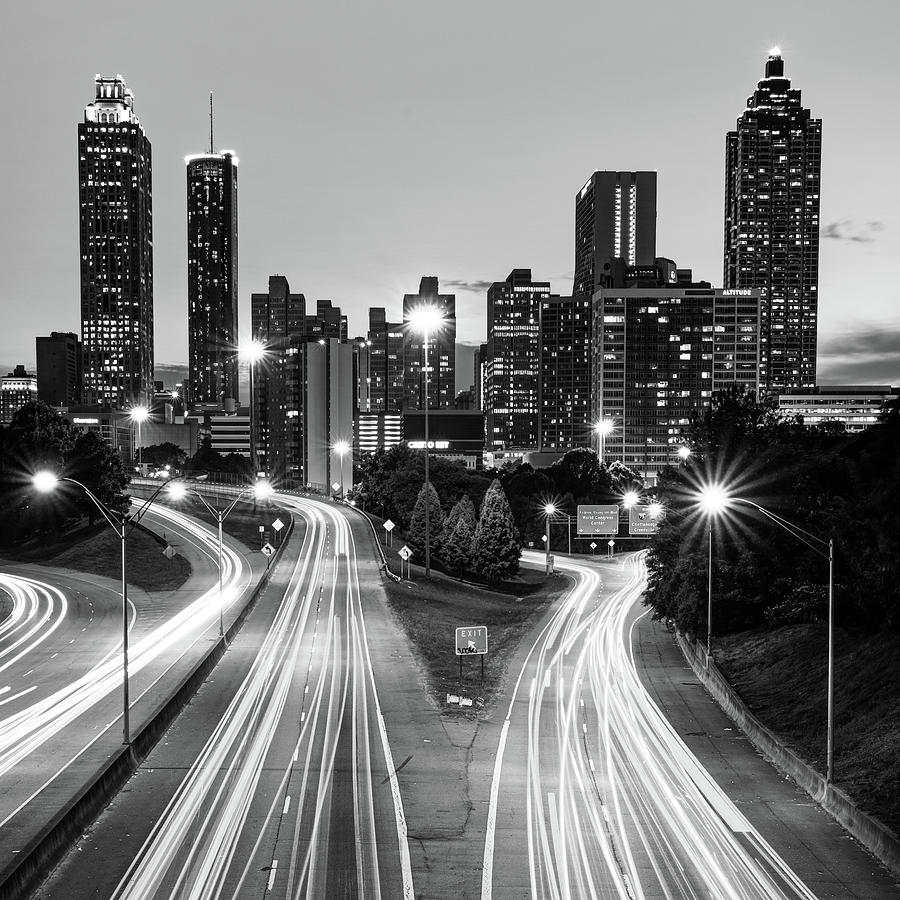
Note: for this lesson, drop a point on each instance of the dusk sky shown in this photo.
(382, 142)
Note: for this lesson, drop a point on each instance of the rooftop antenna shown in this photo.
(211, 145)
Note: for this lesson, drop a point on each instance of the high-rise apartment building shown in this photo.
(511, 390)
(59, 368)
(773, 162)
(116, 241)
(385, 363)
(16, 389)
(212, 236)
(565, 374)
(615, 216)
(662, 345)
(441, 350)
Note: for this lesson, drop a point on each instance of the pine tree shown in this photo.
(417, 523)
(496, 545)
(455, 552)
(462, 508)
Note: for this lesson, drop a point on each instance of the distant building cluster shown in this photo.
(622, 364)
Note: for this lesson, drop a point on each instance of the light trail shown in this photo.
(38, 609)
(615, 803)
(308, 694)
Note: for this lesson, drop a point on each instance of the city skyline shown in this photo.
(346, 222)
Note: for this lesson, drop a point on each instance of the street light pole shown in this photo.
(709, 594)
(427, 491)
(829, 727)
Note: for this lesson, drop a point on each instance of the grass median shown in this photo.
(430, 611)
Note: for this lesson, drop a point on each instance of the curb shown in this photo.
(875, 836)
(45, 850)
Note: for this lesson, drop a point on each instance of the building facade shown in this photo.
(385, 362)
(773, 163)
(441, 350)
(59, 368)
(510, 394)
(212, 245)
(16, 389)
(116, 243)
(615, 216)
(660, 351)
(845, 408)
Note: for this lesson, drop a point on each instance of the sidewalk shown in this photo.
(828, 860)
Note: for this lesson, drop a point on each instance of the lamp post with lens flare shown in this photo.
(714, 499)
(138, 415)
(549, 512)
(602, 429)
(252, 352)
(261, 490)
(341, 448)
(123, 524)
(685, 453)
(426, 319)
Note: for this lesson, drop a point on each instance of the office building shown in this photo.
(772, 178)
(212, 244)
(377, 431)
(456, 435)
(16, 389)
(385, 364)
(59, 368)
(662, 345)
(441, 350)
(840, 408)
(116, 241)
(615, 216)
(511, 390)
(564, 378)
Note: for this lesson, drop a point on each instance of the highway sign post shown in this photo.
(641, 521)
(405, 554)
(594, 519)
(593, 546)
(612, 546)
(277, 525)
(472, 641)
(388, 527)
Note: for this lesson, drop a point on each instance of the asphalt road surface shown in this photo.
(277, 781)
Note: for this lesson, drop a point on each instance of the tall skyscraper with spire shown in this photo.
(773, 167)
(212, 234)
(116, 241)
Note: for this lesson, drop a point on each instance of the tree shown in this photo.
(463, 508)
(456, 550)
(435, 523)
(164, 454)
(99, 468)
(496, 545)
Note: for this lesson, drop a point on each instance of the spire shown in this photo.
(212, 146)
(775, 64)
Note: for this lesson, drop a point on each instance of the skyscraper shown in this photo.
(212, 236)
(511, 390)
(615, 215)
(116, 240)
(385, 364)
(772, 177)
(59, 368)
(441, 350)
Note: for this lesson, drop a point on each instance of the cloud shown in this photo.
(476, 287)
(867, 356)
(847, 230)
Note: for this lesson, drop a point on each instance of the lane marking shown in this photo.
(272, 873)
(287, 805)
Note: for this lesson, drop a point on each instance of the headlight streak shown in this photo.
(195, 849)
(615, 802)
(28, 729)
(38, 610)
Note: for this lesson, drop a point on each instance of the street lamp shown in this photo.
(685, 453)
(630, 498)
(123, 524)
(261, 490)
(549, 512)
(341, 448)
(138, 415)
(602, 428)
(252, 352)
(426, 319)
(713, 499)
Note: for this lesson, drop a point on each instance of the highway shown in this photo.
(278, 780)
(594, 794)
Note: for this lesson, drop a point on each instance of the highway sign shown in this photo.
(405, 552)
(641, 521)
(592, 545)
(278, 524)
(268, 549)
(388, 525)
(611, 544)
(598, 519)
(471, 641)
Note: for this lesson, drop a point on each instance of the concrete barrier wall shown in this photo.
(869, 831)
(40, 855)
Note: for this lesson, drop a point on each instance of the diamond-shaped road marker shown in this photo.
(268, 549)
(388, 525)
(405, 552)
(278, 524)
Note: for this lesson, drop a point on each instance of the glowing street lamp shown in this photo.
(123, 524)
(549, 512)
(261, 490)
(138, 415)
(426, 319)
(603, 428)
(341, 448)
(714, 499)
(685, 452)
(630, 498)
